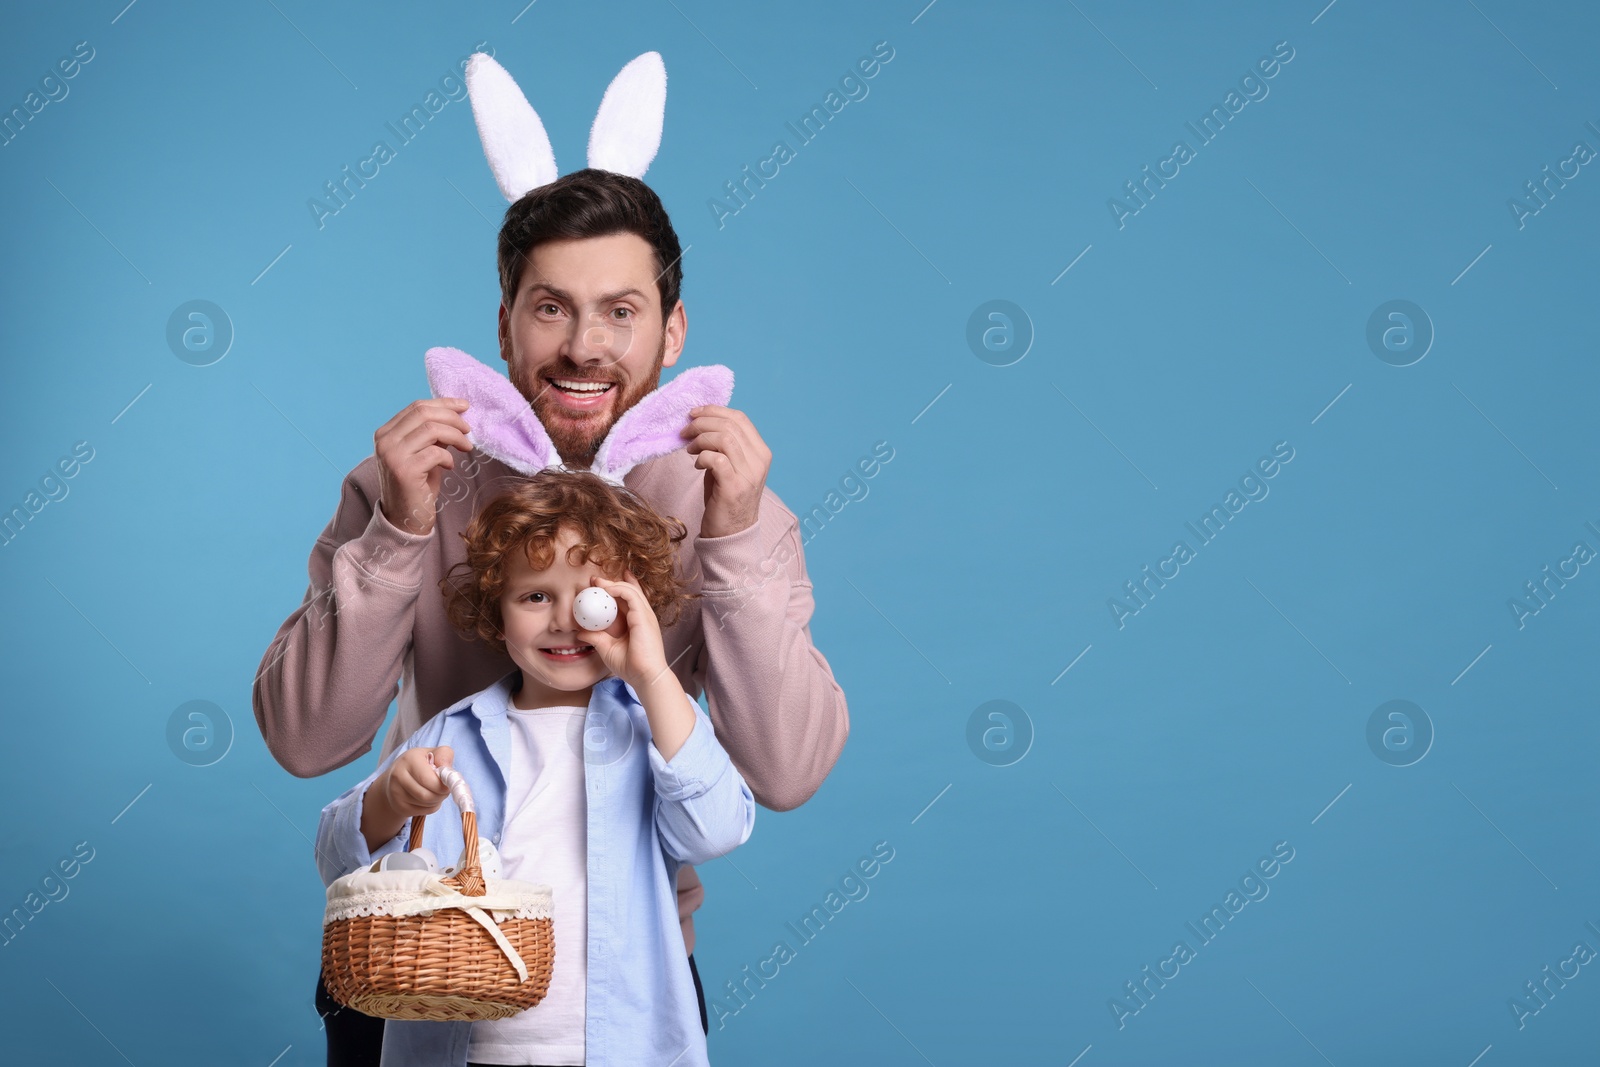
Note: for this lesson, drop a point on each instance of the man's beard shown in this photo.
(578, 439)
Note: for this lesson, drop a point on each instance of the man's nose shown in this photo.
(591, 341)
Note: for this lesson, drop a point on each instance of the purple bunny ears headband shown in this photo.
(503, 423)
(624, 139)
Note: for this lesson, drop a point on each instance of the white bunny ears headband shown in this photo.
(624, 139)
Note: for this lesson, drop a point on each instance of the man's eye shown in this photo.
(551, 307)
(624, 312)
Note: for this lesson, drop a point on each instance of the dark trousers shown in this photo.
(356, 1040)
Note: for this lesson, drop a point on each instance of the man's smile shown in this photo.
(581, 394)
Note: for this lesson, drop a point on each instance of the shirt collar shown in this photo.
(493, 701)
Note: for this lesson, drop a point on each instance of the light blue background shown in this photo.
(1227, 315)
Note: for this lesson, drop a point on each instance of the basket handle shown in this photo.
(469, 879)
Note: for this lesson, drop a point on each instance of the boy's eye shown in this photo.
(542, 598)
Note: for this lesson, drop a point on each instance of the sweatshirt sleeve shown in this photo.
(326, 681)
(771, 692)
(703, 807)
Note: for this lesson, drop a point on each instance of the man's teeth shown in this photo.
(587, 388)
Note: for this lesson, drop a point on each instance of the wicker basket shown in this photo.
(408, 944)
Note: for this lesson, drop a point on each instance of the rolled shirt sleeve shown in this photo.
(704, 808)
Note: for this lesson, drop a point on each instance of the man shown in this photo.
(590, 314)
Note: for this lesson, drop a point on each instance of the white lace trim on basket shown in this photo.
(403, 902)
(414, 892)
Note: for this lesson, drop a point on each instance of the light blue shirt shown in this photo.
(647, 816)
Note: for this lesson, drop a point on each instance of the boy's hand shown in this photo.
(411, 785)
(631, 647)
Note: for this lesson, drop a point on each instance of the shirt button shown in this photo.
(496, 839)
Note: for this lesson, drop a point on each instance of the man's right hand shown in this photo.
(412, 459)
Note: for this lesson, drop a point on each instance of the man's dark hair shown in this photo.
(590, 203)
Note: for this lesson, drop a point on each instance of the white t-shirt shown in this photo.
(545, 841)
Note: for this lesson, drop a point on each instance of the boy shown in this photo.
(592, 769)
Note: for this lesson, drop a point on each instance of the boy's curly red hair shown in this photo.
(615, 530)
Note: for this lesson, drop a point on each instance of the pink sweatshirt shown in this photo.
(373, 618)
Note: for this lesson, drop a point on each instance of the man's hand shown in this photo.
(412, 459)
(727, 447)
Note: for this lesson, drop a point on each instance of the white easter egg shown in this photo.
(489, 858)
(418, 859)
(594, 608)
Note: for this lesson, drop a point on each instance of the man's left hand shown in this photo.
(727, 447)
